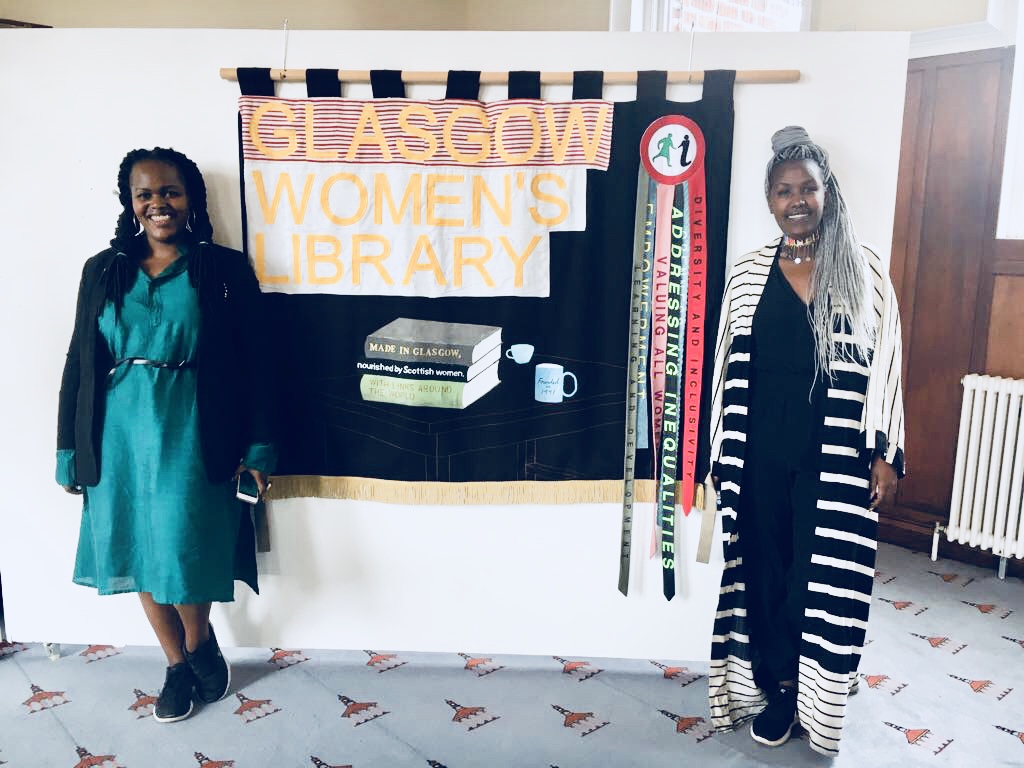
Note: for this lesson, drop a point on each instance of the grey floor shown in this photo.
(942, 685)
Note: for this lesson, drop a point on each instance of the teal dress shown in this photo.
(154, 523)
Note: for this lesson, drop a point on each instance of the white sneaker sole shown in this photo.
(227, 688)
(191, 709)
(778, 742)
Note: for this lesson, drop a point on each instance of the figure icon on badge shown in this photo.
(665, 146)
(685, 147)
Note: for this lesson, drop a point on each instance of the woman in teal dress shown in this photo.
(160, 411)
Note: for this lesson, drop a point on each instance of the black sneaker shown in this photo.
(773, 726)
(211, 670)
(175, 700)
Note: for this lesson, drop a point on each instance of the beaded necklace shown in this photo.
(798, 250)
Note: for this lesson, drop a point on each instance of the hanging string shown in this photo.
(284, 56)
(689, 60)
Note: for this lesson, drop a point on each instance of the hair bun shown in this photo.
(789, 136)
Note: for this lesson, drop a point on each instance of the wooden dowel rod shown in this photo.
(546, 78)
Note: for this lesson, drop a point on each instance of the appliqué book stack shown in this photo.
(429, 363)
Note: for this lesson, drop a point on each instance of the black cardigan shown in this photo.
(234, 391)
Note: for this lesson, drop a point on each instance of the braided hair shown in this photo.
(129, 241)
(841, 274)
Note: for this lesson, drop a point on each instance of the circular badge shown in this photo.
(672, 149)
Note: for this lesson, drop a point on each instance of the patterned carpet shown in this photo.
(942, 685)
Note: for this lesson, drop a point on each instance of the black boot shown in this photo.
(175, 700)
(211, 670)
(773, 726)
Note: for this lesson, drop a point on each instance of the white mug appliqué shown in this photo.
(549, 383)
(521, 353)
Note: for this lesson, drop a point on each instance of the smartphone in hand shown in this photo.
(247, 490)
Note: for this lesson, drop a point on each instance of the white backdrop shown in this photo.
(353, 574)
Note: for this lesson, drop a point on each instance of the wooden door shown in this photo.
(961, 292)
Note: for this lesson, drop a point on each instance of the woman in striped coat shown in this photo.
(807, 436)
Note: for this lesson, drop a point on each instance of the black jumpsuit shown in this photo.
(780, 477)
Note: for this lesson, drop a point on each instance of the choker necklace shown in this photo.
(798, 250)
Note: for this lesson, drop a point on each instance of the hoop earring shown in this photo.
(190, 220)
(138, 225)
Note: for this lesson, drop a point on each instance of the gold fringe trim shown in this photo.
(449, 494)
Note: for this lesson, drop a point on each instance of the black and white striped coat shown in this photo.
(863, 412)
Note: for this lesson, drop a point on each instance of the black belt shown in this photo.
(152, 363)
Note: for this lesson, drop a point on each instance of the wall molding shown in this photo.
(998, 30)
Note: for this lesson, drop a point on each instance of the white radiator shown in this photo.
(988, 478)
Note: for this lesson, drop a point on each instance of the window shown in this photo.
(721, 15)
